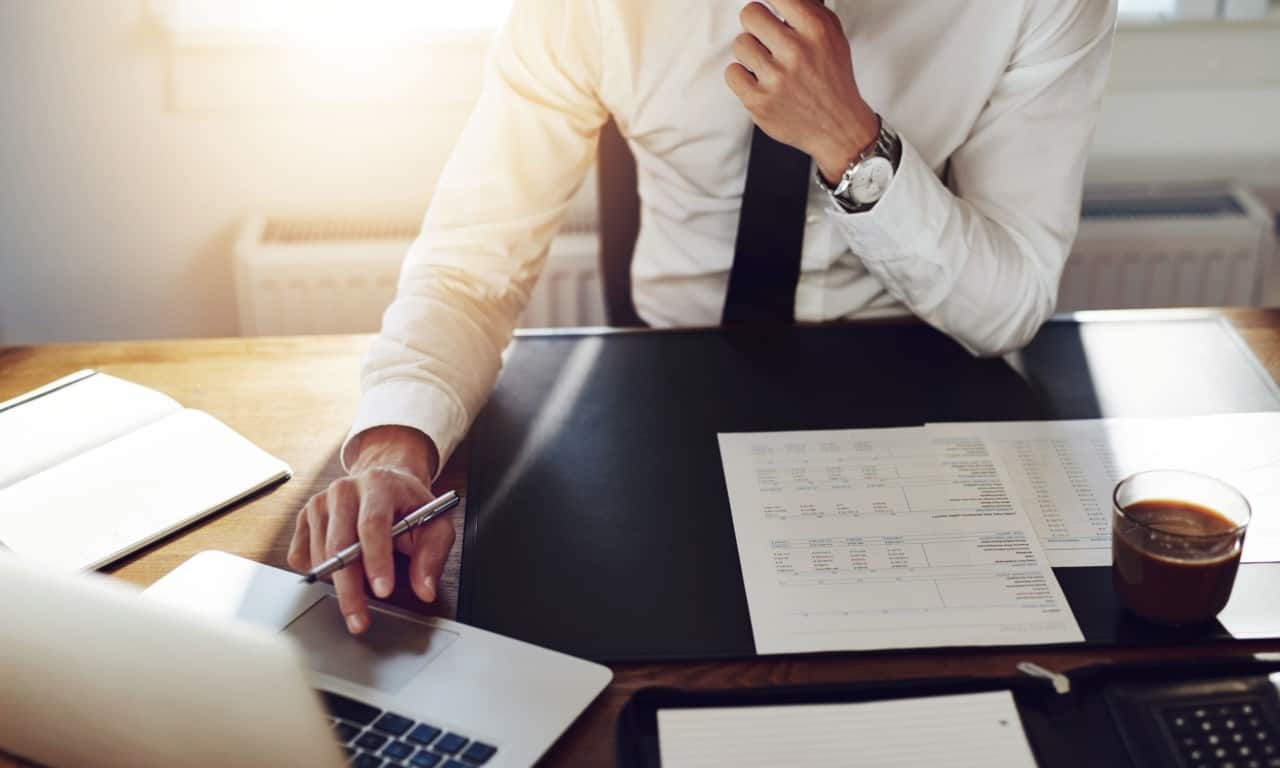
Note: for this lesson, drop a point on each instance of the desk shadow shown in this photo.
(1056, 368)
(1103, 620)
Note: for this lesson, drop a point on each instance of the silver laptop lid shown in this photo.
(92, 675)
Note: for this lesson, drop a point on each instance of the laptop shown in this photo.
(229, 662)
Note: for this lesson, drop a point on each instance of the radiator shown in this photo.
(325, 275)
(1137, 247)
(1142, 246)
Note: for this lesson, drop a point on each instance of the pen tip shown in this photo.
(308, 578)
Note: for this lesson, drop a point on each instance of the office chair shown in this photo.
(619, 201)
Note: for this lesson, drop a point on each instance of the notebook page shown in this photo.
(54, 427)
(979, 730)
(114, 499)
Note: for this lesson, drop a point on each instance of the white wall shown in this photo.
(119, 196)
(117, 211)
(1192, 101)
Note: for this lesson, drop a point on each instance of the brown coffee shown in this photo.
(1174, 562)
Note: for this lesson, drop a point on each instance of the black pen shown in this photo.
(427, 512)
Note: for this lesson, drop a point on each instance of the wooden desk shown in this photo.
(295, 397)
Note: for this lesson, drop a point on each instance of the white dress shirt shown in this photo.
(1007, 91)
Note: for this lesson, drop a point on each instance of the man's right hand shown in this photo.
(389, 479)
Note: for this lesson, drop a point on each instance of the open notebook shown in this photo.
(93, 467)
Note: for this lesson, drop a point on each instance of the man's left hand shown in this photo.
(796, 79)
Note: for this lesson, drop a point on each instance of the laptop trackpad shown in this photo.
(386, 657)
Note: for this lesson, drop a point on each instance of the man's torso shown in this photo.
(927, 66)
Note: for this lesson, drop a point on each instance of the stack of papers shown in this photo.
(947, 534)
(1063, 473)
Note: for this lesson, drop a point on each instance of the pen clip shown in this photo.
(1061, 683)
(447, 502)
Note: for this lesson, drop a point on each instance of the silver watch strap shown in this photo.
(887, 145)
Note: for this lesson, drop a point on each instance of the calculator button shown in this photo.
(1224, 734)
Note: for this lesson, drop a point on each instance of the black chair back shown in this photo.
(619, 201)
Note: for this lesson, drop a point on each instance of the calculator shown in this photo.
(1224, 723)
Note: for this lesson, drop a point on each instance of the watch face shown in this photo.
(871, 180)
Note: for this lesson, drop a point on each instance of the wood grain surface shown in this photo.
(295, 397)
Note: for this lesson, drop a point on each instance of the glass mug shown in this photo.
(1176, 539)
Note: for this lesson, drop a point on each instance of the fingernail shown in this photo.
(429, 584)
(354, 623)
(381, 587)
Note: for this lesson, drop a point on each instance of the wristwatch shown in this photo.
(864, 182)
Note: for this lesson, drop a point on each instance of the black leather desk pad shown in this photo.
(598, 521)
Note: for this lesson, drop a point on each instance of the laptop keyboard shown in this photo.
(376, 738)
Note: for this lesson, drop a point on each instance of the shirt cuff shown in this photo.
(911, 212)
(900, 234)
(421, 406)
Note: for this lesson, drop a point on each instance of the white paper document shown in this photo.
(891, 538)
(979, 730)
(1063, 473)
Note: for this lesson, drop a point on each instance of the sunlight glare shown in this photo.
(327, 23)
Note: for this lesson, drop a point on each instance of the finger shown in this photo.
(317, 523)
(408, 543)
(768, 29)
(375, 542)
(753, 55)
(802, 15)
(742, 83)
(299, 556)
(434, 540)
(348, 583)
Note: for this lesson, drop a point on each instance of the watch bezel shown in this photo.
(864, 169)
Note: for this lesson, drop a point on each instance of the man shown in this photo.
(948, 144)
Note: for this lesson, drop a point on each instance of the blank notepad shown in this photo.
(978, 730)
(104, 466)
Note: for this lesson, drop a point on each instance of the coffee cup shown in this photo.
(1176, 539)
